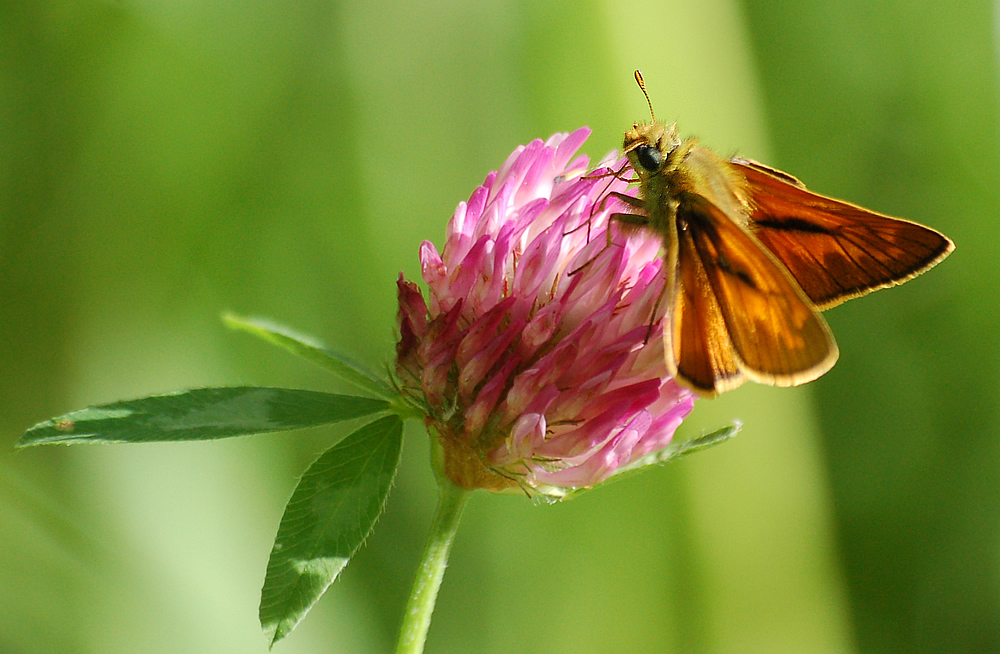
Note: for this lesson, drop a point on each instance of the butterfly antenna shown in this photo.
(642, 87)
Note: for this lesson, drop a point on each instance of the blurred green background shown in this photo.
(161, 162)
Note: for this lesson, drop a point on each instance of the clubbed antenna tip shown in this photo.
(642, 87)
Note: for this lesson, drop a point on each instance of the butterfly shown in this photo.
(752, 257)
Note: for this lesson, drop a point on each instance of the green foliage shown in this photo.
(338, 499)
(305, 347)
(201, 414)
(328, 517)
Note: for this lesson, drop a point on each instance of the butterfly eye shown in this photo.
(649, 157)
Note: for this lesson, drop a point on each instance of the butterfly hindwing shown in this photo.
(768, 327)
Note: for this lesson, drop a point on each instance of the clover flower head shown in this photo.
(536, 357)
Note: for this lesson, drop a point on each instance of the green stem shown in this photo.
(417, 619)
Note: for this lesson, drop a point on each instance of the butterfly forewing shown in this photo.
(835, 250)
(770, 329)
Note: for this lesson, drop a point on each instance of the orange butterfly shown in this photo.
(752, 257)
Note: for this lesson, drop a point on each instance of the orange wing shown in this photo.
(694, 334)
(735, 312)
(835, 250)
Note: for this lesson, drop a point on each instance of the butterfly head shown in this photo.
(651, 148)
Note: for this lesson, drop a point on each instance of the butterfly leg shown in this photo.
(608, 172)
(656, 308)
(633, 222)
